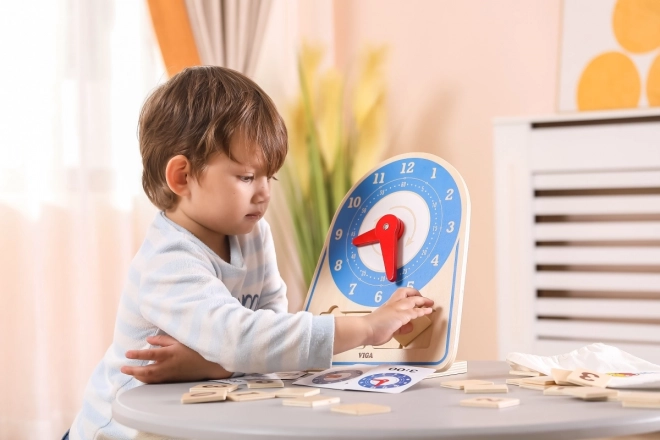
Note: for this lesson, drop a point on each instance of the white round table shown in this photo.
(425, 411)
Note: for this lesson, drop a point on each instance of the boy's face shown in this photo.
(231, 195)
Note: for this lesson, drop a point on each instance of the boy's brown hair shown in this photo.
(195, 114)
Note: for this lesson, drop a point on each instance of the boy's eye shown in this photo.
(273, 177)
(246, 179)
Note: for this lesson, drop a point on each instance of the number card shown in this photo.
(404, 224)
(380, 379)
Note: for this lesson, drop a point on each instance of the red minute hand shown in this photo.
(387, 232)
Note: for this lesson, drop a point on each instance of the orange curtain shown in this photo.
(174, 35)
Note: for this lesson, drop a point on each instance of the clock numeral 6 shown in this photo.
(338, 265)
(354, 202)
(379, 296)
(339, 233)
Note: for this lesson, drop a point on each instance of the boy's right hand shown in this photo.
(172, 362)
(395, 315)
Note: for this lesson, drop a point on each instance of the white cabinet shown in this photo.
(577, 202)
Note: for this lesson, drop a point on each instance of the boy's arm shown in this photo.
(273, 294)
(180, 294)
(171, 361)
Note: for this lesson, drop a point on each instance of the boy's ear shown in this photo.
(177, 175)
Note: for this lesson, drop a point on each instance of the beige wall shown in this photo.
(453, 66)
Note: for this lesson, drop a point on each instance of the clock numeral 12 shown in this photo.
(407, 168)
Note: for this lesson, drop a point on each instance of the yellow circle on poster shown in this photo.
(609, 81)
(636, 24)
(653, 83)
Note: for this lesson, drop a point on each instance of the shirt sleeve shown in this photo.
(180, 294)
(273, 295)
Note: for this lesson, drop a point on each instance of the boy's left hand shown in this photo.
(173, 362)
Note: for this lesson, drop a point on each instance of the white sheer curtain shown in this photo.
(229, 33)
(72, 210)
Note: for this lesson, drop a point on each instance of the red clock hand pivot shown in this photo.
(387, 232)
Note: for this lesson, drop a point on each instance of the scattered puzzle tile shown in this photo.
(311, 401)
(214, 386)
(297, 392)
(361, 409)
(589, 378)
(524, 373)
(499, 388)
(265, 383)
(560, 376)
(557, 390)
(204, 396)
(590, 393)
(515, 382)
(459, 384)
(490, 402)
(637, 404)
(640, 396)
(244, 396)
(540, 380)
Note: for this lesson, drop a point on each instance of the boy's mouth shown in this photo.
(254, 215)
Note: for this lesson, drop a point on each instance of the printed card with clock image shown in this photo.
(389, 379)
(404, 224)
(334, 378)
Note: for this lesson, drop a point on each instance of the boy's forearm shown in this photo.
(350, 332)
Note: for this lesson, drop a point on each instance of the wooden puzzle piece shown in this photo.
(361, 409)
(473, 389)
(515, 382)
(557, 390)
(533, 386)
(637, 404)
(589, 378)
(539, 380)
(524, 373)
(204, 396)
(214, 386)
(590, 393)
(244, 396)
(419, 325)
(311, 401)
(265, 383)
(640, 396)
(297, 392)
(490, 402)
(560, 376)
(460, 384)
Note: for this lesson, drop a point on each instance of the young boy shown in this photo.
(206, 274)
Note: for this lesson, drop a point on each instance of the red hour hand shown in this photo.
(387, 232)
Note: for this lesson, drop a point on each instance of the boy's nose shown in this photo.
(263, 193)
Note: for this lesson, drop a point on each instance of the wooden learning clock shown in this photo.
(405, 223)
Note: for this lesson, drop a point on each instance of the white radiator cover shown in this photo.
(577, 217)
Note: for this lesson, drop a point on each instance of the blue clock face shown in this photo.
(425, 197)
(385, 380)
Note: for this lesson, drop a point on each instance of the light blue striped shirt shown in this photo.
(234, 314)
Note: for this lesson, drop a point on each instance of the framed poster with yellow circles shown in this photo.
(610, 55)
(404, 224)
